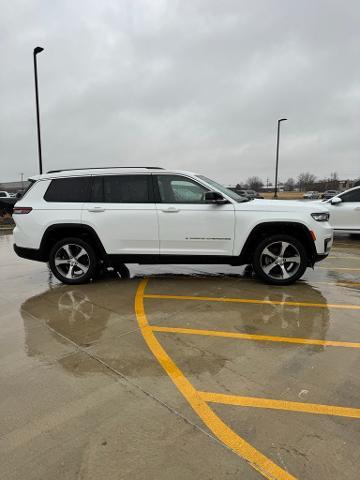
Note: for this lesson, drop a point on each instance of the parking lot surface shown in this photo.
(180, 372)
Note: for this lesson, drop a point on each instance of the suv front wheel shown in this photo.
(72, 261)
(280, 259)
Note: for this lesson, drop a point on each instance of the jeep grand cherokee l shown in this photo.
(82, 220)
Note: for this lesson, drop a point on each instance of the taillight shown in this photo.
(21, 210)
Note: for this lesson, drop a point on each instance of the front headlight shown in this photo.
(321, 217)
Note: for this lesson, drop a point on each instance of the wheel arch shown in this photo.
(58, 231)
(264, 229)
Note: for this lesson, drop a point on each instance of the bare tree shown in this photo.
(333, 181)
(306, 181)
(289, 184)
(255, 183)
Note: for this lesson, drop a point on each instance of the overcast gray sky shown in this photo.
(195, 85)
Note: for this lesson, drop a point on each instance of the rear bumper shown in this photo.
(29, 253)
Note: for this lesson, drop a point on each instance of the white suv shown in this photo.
(345, 211)
(82, 220)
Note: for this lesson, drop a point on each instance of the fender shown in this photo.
(51, 234)
(272, 227)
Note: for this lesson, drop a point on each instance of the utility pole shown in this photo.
(35, 53)
(277, 156)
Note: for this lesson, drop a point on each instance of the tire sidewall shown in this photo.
(89, 250)
(277, 238)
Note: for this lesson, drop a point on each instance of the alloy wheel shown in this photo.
(72, 261)
(280, 260)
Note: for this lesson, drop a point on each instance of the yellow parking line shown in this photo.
(340, 268)
(344, 257)
(252, 301)
(341, 284)
(256, 402)
(249, 336)
(224, 433)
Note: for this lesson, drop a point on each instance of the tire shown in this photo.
(73, 261)
(270, 260)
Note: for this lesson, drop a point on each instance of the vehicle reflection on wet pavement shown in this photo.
(82, 395)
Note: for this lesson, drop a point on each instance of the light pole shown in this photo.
(36, 51)
(277, 156)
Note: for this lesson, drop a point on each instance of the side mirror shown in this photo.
(215, 197)
(335, 201)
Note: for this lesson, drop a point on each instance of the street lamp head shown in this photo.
(38, 50)
(282, 119)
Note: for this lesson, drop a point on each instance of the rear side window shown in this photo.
(74, 189)
(31, 183)
(121, 189)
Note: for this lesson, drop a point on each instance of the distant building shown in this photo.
(14, 187)
(271, 188)
(345, 184)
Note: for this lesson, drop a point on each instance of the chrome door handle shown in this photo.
(171, 210)
(96, 209)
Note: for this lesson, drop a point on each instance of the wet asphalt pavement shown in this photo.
(210, 375)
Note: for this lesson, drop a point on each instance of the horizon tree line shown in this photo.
(305, 181)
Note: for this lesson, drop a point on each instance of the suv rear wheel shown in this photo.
(72, 261)
(280, 259)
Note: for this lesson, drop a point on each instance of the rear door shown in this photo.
(123, 214)
(188, 225)
(346, 215)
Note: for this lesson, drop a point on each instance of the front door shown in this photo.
(187, 224)
(346, 215)
(123, 214)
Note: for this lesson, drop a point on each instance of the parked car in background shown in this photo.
(4, 194)
(251, 194)
(344, 211)
(312, 195)
(82, 220)
(329, 194)
(7, 205)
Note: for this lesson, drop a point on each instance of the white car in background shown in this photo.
(312, 195)
(4, 194)
(344, 211)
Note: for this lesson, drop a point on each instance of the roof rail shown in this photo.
(99, 168)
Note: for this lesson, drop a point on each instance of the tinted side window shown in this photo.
(178, 189)
(31, 183)
(353, 196)
(121, 189)
(97, 192)
(74, 189)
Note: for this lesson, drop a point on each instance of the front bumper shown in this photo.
(320, 257)
(325, 245)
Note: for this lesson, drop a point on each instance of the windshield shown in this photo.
(224, 190)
